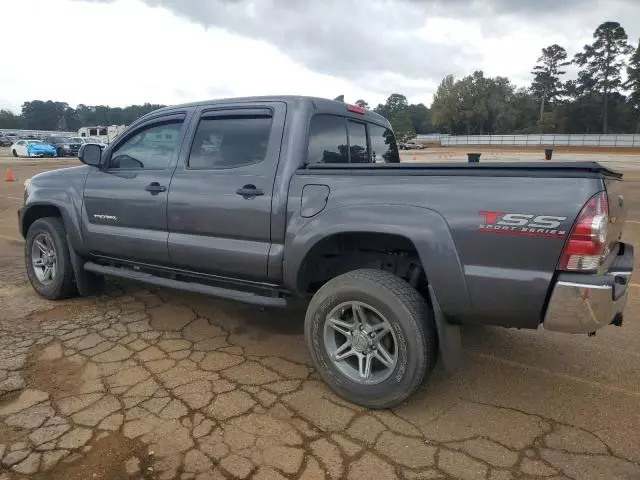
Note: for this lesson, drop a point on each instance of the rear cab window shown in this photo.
(334, 139)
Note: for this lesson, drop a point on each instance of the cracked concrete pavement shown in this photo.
(147, 383)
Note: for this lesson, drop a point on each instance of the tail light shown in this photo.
(587, 244)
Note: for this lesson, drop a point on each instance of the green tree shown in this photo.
(475, 105)
(524, 104)
(402, 125)
(445, 109)
(546, 81)
(633, 84)
(394, 105)
(8, 119)
(362, 104)
(602, 62)
(420, 118)
(43, 115)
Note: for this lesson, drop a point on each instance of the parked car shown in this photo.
(6, 141)
(413, 146)
(32, 148)
(65, 146)
(85, 140)
(288, 200)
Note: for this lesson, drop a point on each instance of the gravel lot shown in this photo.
(149, 383)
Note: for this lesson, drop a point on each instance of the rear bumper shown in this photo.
(583, 303)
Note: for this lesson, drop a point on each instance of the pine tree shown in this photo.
(603, 61)
(546, 82)
(633, 84)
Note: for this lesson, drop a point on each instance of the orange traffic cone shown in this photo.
(8, 176)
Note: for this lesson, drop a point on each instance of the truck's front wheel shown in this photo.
(47, 259)
(372, 337)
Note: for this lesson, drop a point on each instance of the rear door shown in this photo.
(125, 203)
(219, 210)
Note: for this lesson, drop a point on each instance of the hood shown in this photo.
(60, 173)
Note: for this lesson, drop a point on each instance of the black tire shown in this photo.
(405, 310)
(60, 152)
(15, 154)
(62, 285)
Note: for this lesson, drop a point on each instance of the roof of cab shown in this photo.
(322, 105)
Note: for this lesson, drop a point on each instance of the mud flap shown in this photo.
(449, 338)
(87, 283)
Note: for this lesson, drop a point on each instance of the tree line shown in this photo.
(51, 115)
(601, 99)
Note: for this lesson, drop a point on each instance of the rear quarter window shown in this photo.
(336, 139)
(328, 140)
(383, 145)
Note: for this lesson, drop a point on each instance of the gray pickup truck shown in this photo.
(270, 198)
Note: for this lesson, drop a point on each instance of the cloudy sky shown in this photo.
(119, 52)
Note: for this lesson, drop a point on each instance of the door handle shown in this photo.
(249, 191)
(155, 187)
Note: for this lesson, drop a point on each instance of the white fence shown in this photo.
(626, 140)
(22, 133)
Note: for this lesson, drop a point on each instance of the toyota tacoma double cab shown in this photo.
(266, 199)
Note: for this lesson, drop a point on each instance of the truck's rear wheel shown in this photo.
(372, 337)
(47, 259)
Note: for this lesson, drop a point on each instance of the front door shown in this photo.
(219, 211)
(125, 202)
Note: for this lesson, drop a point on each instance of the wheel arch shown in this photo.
(40, 209)
(422, 228)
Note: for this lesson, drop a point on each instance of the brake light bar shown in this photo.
(355, 109)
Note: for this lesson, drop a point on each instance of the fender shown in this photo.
(67, 199)
(426, 228)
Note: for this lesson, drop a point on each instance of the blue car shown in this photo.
(32, 148)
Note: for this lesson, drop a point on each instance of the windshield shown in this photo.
(35, 142)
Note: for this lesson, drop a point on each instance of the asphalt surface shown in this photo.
(152, 383)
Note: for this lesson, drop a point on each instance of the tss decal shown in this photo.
(523, 224)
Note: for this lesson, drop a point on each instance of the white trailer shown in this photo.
(106, 134)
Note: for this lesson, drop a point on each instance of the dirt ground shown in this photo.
(151, 383)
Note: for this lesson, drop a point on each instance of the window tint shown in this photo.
(150, 148)
(229, 142)
(383, 145)
(358, 142)
(328, 140)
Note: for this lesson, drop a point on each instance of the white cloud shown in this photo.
(120, 52)
(127, 52)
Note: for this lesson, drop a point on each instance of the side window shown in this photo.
(358, 142)
(150, 148)
(328, 140)
(383, 145)
(230, 142)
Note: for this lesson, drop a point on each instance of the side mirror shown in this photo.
(90, 154)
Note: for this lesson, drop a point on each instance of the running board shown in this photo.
(226, 293)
